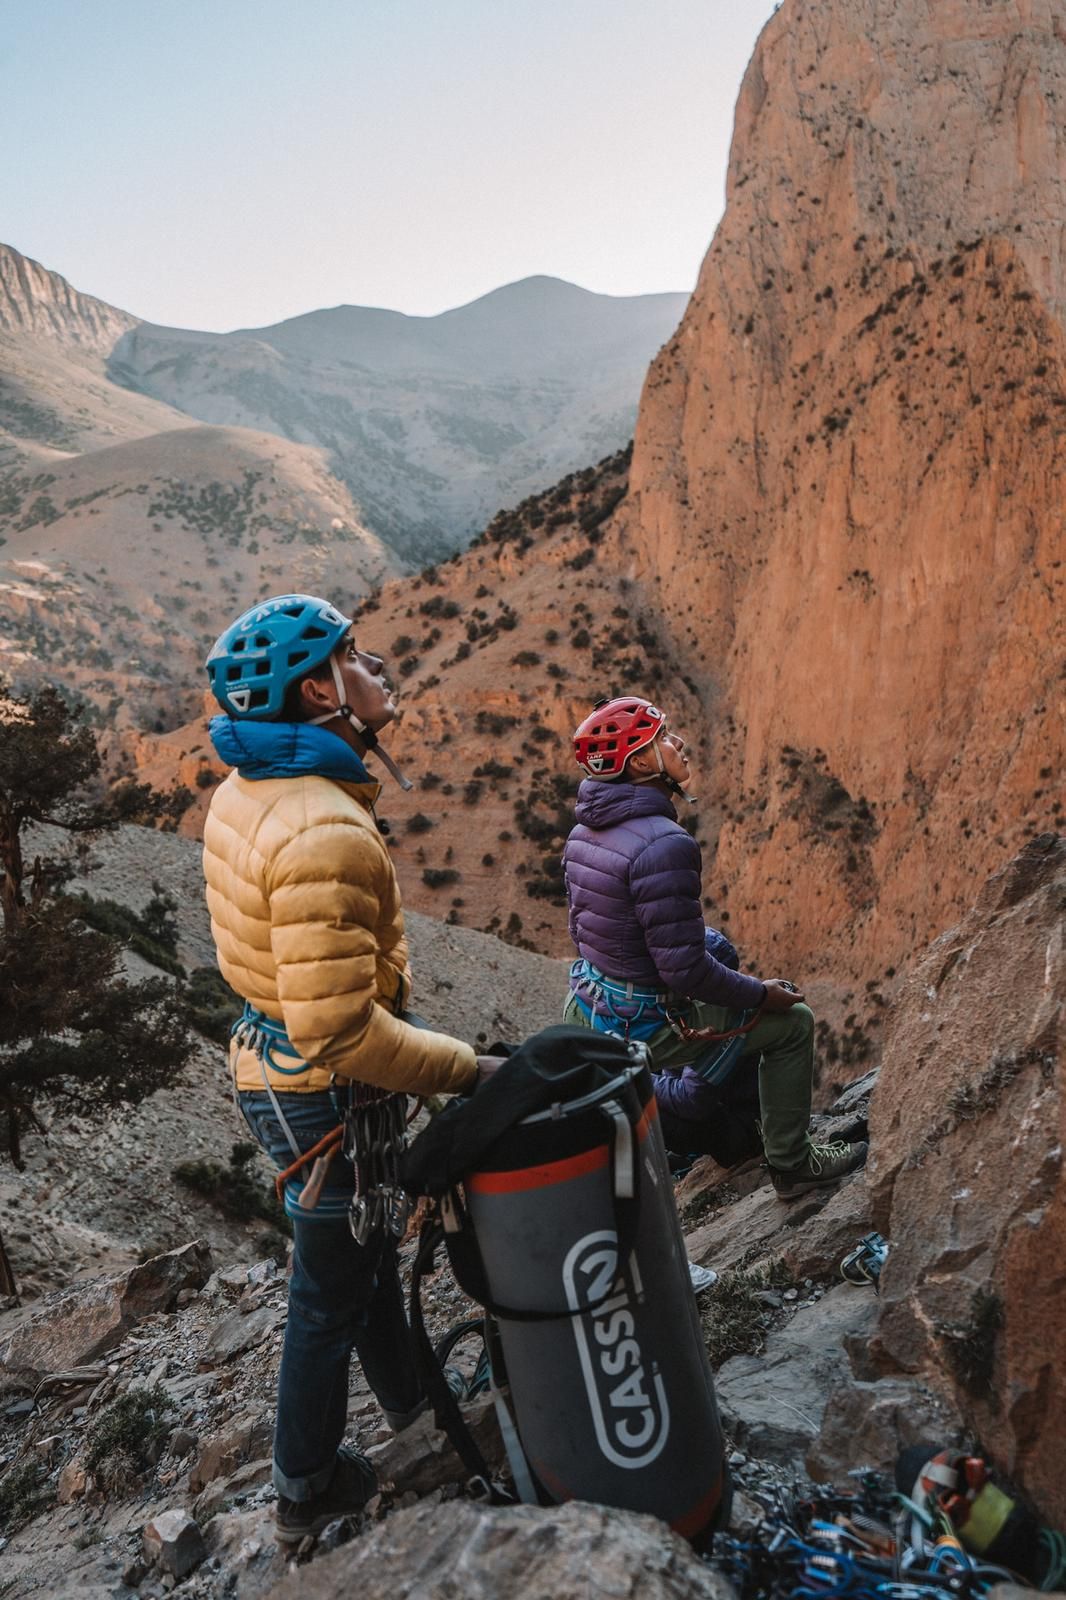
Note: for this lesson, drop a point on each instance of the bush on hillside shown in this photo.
(73, 1030)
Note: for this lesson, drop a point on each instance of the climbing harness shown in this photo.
(628, 1011)
(257, 1032)
(616, 1006)
(372, 1135)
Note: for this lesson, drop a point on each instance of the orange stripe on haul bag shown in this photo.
(553, 1171)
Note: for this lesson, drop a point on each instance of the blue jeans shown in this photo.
(341, 1296)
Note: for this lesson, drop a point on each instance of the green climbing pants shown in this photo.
(780, 1048)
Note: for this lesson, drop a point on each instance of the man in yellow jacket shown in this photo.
(306, 917)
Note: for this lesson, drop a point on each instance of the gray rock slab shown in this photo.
(812, 1233)
(421, 1458)
(868, 1424)
(66, 1330)
(173, 1541)
(239, 1332)
(773, 1404)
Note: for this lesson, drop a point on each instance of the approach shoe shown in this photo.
(351, 1486)
(701, 1277)
(825, 1164)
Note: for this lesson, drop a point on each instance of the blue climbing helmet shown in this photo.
(253, 663)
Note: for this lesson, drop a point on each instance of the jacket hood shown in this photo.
(285, 750)
(602, 805)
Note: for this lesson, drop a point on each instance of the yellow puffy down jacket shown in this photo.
(305, 913)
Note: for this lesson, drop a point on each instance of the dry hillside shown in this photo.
(115, 561)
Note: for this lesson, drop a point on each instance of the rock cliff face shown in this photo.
(846, 490)
(41, 304)
(967, 1127)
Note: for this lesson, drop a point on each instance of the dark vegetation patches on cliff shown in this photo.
(586, 498)
(969, 1347)
(968, 1101)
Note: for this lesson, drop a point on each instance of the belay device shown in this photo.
(566, 1232)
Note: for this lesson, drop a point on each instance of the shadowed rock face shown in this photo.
(966, 1173)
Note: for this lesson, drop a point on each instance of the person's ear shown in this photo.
(315, 696)
(642, 762)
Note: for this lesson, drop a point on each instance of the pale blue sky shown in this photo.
(218, 163)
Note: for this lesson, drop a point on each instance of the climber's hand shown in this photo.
(780, 994)
(487, 1065)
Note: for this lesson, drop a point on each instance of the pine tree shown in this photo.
(74, 1032)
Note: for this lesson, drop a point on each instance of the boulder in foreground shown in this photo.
(571, 1552)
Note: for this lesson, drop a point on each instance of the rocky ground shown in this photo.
(136, 1400)
(206, 1340)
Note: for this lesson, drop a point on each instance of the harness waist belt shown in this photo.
(259, 1033)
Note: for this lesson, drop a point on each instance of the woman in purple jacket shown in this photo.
(648, 968)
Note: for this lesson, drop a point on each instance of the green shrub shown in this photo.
(23, 1493)
(211, 1006)
(439, 877)
(234, 1190)
(129, 1429)
(151, 933)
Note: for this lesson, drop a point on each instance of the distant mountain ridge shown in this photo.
(541, 324)
(431, 423)
(162, 476)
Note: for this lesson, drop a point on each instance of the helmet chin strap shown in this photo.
(663, 777)
(368, 736)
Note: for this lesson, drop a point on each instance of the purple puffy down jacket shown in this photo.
(633, 882)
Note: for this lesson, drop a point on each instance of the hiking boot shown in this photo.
(351, 1486)
(825, 1164)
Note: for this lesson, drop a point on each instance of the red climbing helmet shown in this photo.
(613, 731)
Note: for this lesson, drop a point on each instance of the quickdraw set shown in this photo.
(875, 1543)
(375, 1138)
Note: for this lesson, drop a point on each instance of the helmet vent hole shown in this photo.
(311, 632)
(296, 656)
(262, 669)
